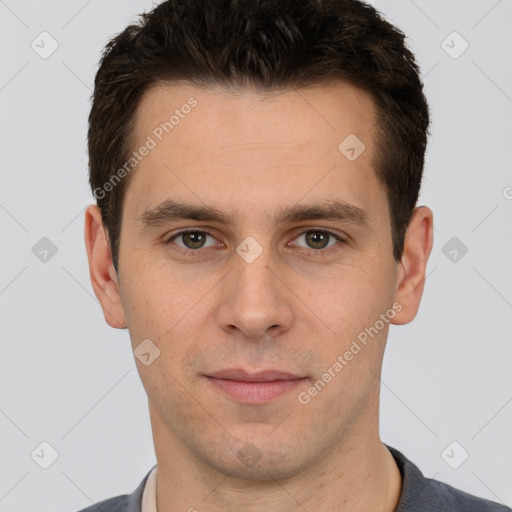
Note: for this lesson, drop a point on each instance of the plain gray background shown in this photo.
(70, 380)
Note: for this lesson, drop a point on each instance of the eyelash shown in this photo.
(311, 252)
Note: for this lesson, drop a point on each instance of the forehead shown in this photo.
(289, 117)
(254, 149)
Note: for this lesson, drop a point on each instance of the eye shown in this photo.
(319, 240)
(192, 240)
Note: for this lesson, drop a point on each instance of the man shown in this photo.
(256, 165)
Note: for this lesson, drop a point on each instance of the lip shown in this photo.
(254, 388)
(241, 375)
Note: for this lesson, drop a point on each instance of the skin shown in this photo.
(251, 154)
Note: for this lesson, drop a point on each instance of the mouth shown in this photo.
(254, 387)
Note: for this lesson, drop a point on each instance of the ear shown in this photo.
(412, 265)
(101, 269)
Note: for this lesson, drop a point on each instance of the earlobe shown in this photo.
(101, 270)
(412, 266)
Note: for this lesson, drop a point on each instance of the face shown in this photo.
(252, 240)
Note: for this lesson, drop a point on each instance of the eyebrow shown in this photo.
(170, 210)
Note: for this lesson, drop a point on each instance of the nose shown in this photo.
(255, 300)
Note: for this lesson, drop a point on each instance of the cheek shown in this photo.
(353, 355)
(170, 395)
(351, 298)
(352, 307)
(153, 299)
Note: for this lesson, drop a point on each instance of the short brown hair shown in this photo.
(273, 44)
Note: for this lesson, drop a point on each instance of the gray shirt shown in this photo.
(419, 494)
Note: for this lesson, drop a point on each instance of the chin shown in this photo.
(258, 461)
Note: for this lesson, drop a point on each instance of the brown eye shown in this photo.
(318, 239)
(192, 239)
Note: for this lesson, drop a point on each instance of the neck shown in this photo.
(355, 476)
